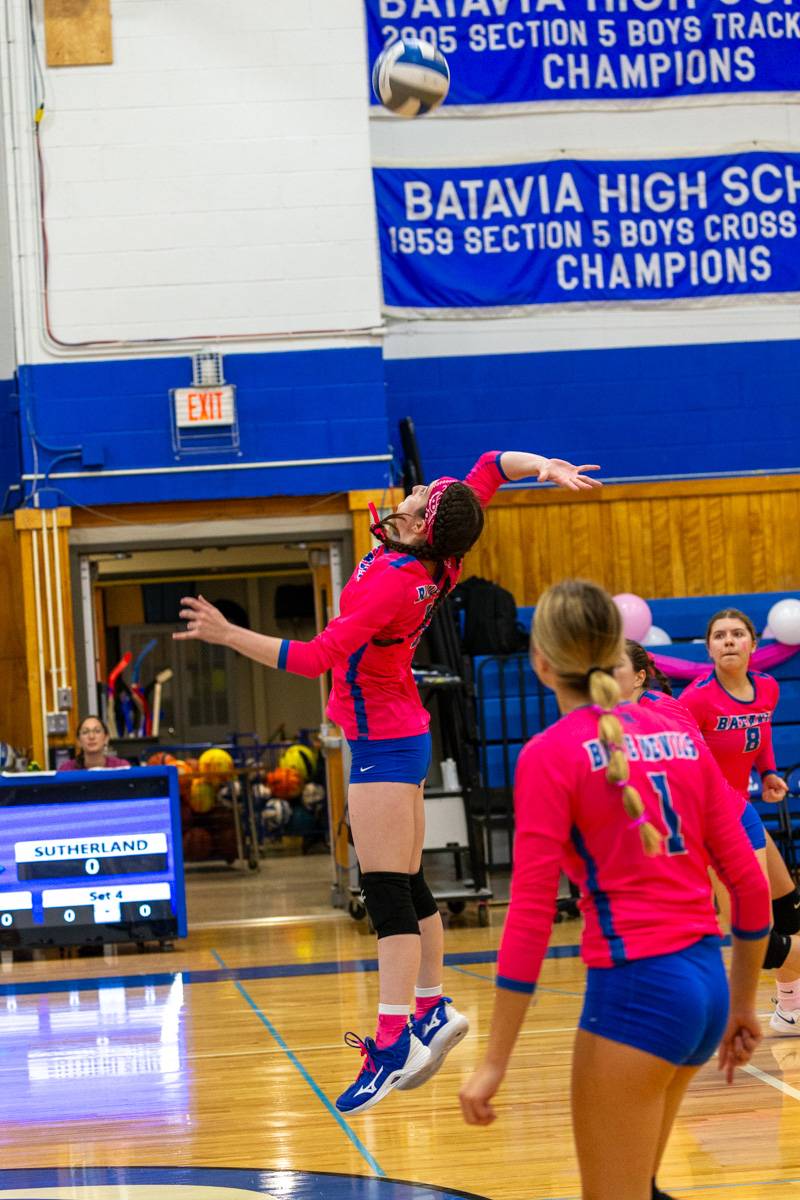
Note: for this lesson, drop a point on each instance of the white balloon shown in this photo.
(784, 621)
(656, 636)
(767, 633)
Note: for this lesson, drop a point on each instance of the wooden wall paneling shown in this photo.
(679, 538)
(15, 717)
(738, 544)
(78, 32)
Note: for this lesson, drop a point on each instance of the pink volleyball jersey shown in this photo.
(737, 732)
(635, 906)
(679, 714)
(384, 610)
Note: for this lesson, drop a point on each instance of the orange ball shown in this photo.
(285, 782)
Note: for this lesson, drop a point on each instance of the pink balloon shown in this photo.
(636, 615)
(767, 632)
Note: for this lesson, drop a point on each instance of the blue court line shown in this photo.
(490, 979)
(312, 1083)
(35, 987)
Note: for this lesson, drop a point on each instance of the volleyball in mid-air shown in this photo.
(411, 77)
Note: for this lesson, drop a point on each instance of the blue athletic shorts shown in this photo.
(391, 760)
(673, 1005)
(754, 827)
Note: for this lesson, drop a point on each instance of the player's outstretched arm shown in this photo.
(205, 623)
(516, 464)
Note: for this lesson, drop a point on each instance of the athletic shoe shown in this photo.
(381, 1070)
(785, 1022)
(439, 1030)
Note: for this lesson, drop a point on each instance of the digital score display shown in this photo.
(90, 856)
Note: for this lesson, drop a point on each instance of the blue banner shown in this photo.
(525, 52)
(584, 230)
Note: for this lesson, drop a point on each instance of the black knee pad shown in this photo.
(786, 912)
(778, 948)
(422, 897)
(387, 895)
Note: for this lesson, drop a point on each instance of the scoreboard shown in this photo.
(90, 856)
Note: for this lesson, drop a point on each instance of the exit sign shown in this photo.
(205, 407)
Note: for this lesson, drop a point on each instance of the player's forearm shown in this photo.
(509, 1013)
(746, 962)
(259, 646)
(516, 464)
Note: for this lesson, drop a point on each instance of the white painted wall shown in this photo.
(8, 359)
(214, 180)
(705, 129)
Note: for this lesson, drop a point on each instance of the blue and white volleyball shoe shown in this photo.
(439, 1030)
(381, 1070)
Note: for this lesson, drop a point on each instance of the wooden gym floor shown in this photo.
(215, 1067)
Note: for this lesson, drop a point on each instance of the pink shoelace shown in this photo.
(368, 1062)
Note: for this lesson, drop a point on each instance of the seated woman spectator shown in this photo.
(92, 748)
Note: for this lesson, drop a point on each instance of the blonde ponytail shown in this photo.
(604, 692)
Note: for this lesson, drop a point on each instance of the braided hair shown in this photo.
(457, 526)
(642, 661)
(577, 627)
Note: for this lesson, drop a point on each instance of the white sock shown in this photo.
(789, 994)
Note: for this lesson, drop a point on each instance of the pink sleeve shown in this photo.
(765, 759)
(486, 476)
(543, 823)
(371, 606)
(732, 855)
(692, 701)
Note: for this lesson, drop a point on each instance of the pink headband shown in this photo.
(437, 490)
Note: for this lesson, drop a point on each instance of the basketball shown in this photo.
(217, 764)
(197, 844)
(411, 78)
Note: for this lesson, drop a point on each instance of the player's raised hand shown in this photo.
(205, 623)
(567, 475)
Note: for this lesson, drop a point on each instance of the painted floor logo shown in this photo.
(199, 1183)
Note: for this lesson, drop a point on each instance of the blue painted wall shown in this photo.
(298, 405)
(662, 411)
(9, 438)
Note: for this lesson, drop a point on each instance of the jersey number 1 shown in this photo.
(660, 785)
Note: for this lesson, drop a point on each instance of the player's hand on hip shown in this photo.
(567, 475)
(477, 1092)
(205, 623)
(741, 1036)
(773, 788)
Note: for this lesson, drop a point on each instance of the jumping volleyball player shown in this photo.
(385, 607)
(733, 707)
(633, 807)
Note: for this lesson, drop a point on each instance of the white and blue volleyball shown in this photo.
(411, 78)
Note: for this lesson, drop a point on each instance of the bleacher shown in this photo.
(512, 706)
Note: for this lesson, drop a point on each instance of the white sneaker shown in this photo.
(439, 1030)
(785, 1022)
